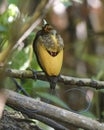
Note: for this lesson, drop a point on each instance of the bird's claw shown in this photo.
(34, 73)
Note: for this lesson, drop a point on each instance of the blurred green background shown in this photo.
(81, 25)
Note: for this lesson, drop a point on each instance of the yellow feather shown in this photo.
(51, 65)
(55, 40)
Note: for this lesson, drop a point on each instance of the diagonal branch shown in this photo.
(67, 80)
(24, 104)
(35, 20)
(24, 29)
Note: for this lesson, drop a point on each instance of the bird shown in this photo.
(48, 47)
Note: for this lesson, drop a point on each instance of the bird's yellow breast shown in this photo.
(51, 64)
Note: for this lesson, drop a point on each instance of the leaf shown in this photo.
(20, 59)
(53, 98)
(89, 114)
(3, 28)
(67, 3)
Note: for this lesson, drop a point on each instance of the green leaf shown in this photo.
(53, 98)
(20, 59)
(66, 3)
(89, 114)
(13, 2)
(3, 28)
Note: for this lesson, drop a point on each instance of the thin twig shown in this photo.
(22, 103)
(67, 80)
(34, 22)
(24, 29)
(45, 120)
(20, 88)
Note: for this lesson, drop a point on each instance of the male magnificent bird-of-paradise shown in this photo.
(48, 47)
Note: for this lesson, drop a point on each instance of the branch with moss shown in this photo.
(67, 80)
(32, 107)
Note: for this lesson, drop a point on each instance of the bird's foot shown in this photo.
(34, 72)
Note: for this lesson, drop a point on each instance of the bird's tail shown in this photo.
(53, 81)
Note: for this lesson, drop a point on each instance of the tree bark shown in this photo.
(13, 120)
(32, 108)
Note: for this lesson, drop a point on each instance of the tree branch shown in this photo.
(35, 20)
(33, 107)
(24, 29)
(80, 82)
(13, 120)
(45, 120)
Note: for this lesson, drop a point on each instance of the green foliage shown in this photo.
(33, 86)
(6, 23)
(13, 2)
(54, 99)
(89, 114)
(66, 2)
(23, 57)
(69, 2)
